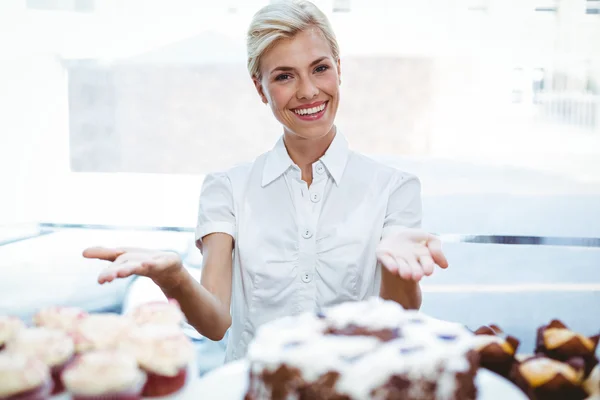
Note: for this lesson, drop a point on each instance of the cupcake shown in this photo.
(53, 347)
(9, 326)
(164, 353)
(103, 375)
(23, 378)
(63, 318)
(100, 331)
(496, 349)
(543, 378)
(557, 341)
(158, 313)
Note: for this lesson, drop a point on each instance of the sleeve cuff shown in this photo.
(213, 227)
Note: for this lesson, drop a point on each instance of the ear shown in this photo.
(339, 71)
(259, 89)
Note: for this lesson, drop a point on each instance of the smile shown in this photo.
(311, 113)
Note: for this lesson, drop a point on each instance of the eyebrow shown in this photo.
(287, 69)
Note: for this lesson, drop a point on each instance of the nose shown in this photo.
(307, 89)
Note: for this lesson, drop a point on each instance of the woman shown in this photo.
(306, 225)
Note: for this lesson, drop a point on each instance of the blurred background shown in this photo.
(113, 111)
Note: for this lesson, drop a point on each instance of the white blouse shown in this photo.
(297, 248)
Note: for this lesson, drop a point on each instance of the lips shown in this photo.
(311, 111)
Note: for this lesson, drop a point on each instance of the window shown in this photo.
(61, 5)
(593, 7)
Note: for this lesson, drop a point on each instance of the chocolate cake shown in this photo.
(362, 350)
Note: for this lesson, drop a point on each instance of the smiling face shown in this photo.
(300, 81)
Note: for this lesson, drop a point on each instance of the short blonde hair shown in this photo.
(284, 19)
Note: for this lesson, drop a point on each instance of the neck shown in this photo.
(305, 152)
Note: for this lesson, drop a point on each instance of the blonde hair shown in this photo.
(284, 19)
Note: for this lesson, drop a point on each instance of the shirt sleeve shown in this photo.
(404, 208)
(215, 210)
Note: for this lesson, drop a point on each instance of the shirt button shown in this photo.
(320, 168)
(306, 277)
(307, 234)
(315, 197)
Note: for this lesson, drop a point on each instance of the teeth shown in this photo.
(308, 111)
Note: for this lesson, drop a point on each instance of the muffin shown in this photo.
(543, 378)
(104, 374)
(158, 313)
(51, 346)
(62, 318)
(496, 349)
(557, 341)
(23, 378)
(100, 331)
(164, 353)
(9, 326)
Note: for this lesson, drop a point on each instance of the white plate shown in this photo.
(230, 382)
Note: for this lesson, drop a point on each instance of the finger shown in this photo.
(420, 250)
(388, 262)
(123, 271)
(427, 264)
(404, 270)
(415, 267)
(102, 253)
(435, 248)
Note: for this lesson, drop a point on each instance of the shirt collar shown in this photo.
(278, 160)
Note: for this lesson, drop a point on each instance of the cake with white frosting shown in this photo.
(158, 313)
(104, 374)
(101, 331)
(164, 352)
(9, 326)
(51, 346)
(63, 318)
(23, 377)
(362, 350)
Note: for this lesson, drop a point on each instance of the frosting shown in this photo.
(482, 341)
(101, 372)
(19, 374)
(101, 331)
(9, 326)
(160, 349)
(63, 318)
(556, 337)
(425, 347)
(374, 313)
(538, 371)
(160, 313)
(52, 346)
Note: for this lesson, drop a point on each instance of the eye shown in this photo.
(283, 77)
(322, 68)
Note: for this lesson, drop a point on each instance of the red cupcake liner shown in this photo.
(159, 385)
(56, 373)
(42, 392)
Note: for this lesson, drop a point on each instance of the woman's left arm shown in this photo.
(406, 252)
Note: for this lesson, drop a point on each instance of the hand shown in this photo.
(411, 253)
(162, 267)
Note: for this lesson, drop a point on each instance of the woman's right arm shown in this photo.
(205, 304)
